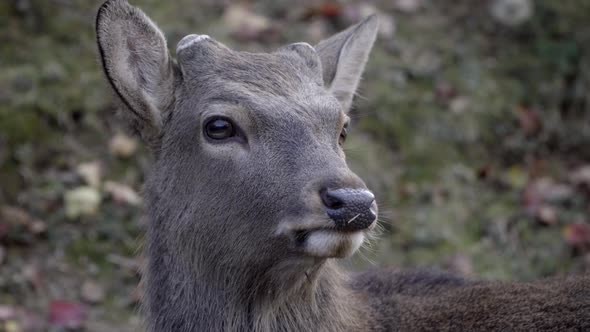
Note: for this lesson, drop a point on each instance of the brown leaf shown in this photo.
(484, 172)
(330, 9)
(577, 235)
(66, 314)
(15, 216)
(529, 120)
(444, 92)
(326, 9)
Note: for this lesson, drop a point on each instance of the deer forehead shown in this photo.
(204, 60)
(277, 86)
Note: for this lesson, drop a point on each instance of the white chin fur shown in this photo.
(328, 243)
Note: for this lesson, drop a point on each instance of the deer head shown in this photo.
(249, 146)
(249, 174)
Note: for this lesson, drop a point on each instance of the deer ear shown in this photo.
(343, 57)
(136, 62)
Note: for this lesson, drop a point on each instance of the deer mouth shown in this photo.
(328, 242)
(320, 237)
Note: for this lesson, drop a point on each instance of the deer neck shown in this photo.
(209, 298)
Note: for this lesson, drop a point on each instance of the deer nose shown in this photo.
(350, 209)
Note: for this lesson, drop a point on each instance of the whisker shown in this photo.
(351, 220)
(365, 257)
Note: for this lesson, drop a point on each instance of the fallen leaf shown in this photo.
(444, 92)
(516, 177)
(330, 9)
(459, 105)
(7, 312)
(15, 216)
(511, 12)
(484, 172)
(122, 146)
(66, 314)
(581, 176)
(245, 25)
(539, 194)
(545, 190)
(577, 235)
(4, 228)
(12, 326)
(529, 120)
(547, 215)
(91, 172)
(32, 274)
(81, 201)
(122, 193)
(92, 292)
(326, 9)
(408, 6)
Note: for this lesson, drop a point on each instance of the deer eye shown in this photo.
(343, 134)
(219, 128)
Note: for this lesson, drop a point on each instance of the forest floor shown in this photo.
(472, 125)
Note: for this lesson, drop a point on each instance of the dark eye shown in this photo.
(219, 129)
(343, 134)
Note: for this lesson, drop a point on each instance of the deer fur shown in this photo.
(238, 239)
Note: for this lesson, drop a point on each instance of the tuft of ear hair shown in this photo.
(137, 64)
(343, 57)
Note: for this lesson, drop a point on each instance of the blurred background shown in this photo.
(472, 125)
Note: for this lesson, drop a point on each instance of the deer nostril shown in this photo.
(347, 197)
(331, 199)
(350, 209)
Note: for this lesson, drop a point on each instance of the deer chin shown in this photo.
(330, 243)
(318, 238)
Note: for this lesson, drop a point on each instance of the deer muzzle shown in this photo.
(350, 209)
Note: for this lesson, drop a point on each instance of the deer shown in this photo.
(251, 203)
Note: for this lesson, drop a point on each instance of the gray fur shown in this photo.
(222, 254)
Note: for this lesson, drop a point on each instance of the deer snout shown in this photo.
(350, 209)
